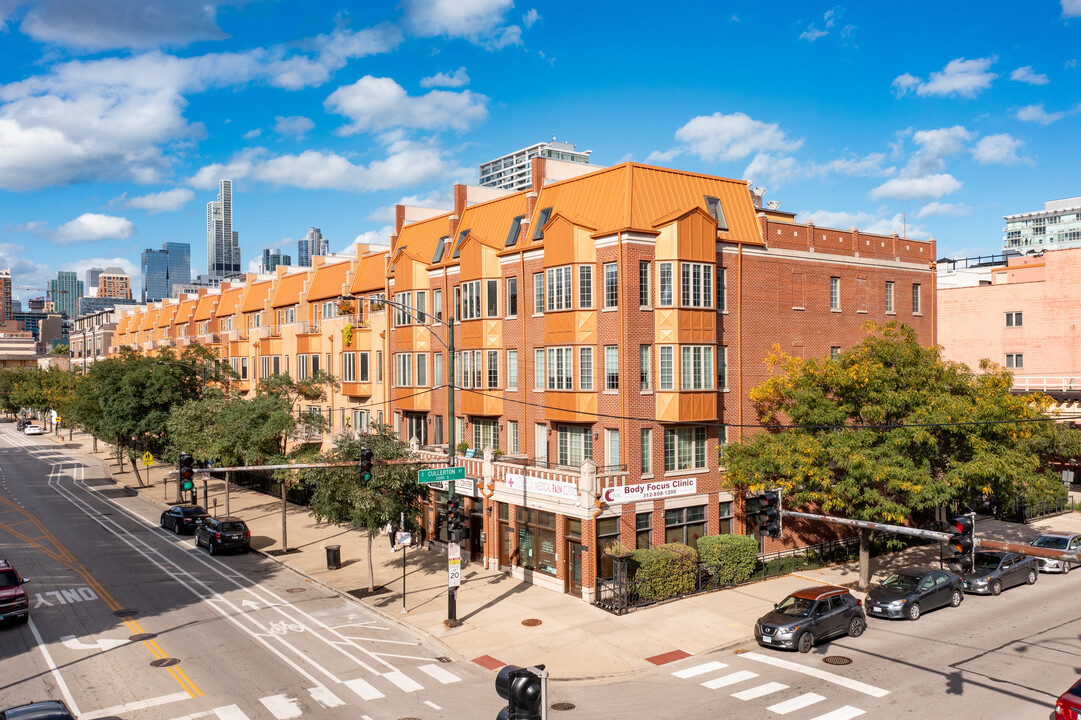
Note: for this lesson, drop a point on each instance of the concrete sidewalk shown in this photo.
(573, 639)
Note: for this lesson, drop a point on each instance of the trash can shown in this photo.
(334, 557)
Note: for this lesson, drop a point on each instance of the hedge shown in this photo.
(664, 571)
(731, 558)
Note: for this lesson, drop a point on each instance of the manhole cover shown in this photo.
(296, 590)
(837, 660)
(531, 622)
(165, 662)
(444, 659)
(408, 718)
(125, 612)
(562, 706)
(143, 636)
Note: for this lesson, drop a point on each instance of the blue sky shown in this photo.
(118, 118)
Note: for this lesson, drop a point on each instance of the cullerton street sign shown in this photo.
(441, 474)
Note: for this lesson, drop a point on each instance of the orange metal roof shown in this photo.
(419, 239)
(124, 323)
(165, 317)
(184, 311)
(205, 309)
(257, 295)
(370, 275)
(230, 299)
(488, 222)
(149, 318)
(328, 280)
(287, 292)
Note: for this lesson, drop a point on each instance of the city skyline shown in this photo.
(116, 135)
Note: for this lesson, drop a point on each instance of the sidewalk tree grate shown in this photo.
(165, 662)
(125, 612)
(444, 659)
(562, 706)
(141, 637)
(531, 622)
(837, 660)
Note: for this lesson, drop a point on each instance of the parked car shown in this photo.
(21, 424)
(809, 615)
(33, 430)
(910, 592)
(1057, 541)
(995, 571)
(14, 602)
(47, 710)
(1068, 706)
(183, 518)
(227, 533)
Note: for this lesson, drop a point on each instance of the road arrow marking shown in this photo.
(72, 643)
(250, 604)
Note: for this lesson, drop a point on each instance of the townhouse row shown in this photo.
(584, 347)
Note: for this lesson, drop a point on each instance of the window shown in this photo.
(537, 540)
(667, 379)
(264, 366)
(684, 448)
(835, 293)
(643, 530)
(513, 441)
(575, 445)
(478, 371)
(422, 307)
(611, 285)
(560, 368)
(665, 284)
(611, 367)
(458, 301)
(685, 525)
(722, 367)
(835, 352)
(722, 289)
(538, 293)
(559, 288)
(276, 364)
(607, 534)
(643, 283)
(493, 368)
(379, 369)
(437, 304)
(1015, 360)
(916, 309)
(647, 451)
(512, 297)
(302, 367)
(585, 286)
(585, 368)
(422, 369)
(349, 367)
(696, 285)
(697, 367)
(315, 363)
(362, 370)
(889, 297)
(725, 514)
(512, 369)
(403, 369)
(243, 368)
(437, 370)
(538, 369)
(485, 434)
(611, 447)
(1014, 319)
(402, 315)
(463, 369)
(643, 368)
(471, 300)
(492, 298)
(328, 310)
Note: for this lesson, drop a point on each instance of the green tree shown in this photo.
(890, 429)
(339, 496)
(8, 379)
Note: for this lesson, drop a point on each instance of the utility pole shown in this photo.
(452, 592)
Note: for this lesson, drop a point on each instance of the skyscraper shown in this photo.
(222, 244)
(65, 291)
(92, 275)
(164, 268)
(311, 245)
(272, 258)
(513, 171)
(5, 294)
(114, 283)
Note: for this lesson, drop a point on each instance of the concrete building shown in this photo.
(222, 242)
(91, 305)
(92, 275)
(513, 171)
(272, 258)
(114, 283)
(311, 245)
(6, 308)
(161, 269)
(65, 291)
(92, 336)
(1056, 227)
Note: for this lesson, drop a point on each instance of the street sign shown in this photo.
(441, 474)
(148, 459)
(454, 565)
(403, 538)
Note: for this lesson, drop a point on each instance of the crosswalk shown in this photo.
(780, 699)
(284, 706)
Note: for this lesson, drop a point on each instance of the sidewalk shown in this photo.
(574, 640)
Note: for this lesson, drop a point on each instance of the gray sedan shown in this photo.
(1056, 541)
(995, 571)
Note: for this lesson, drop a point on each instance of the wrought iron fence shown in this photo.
(263, 481)
(1026, 512)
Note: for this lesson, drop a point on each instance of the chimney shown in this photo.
(460, 198)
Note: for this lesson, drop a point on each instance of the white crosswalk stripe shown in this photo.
(439, 673)
(325, 697)
(797, 703)
(363, 689)
(759, 691)
(281, 706)
(845, 713)
(403, 681)
(699, 670)
(730, 679)
(230, 712)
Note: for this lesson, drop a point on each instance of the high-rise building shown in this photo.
(222, 244)
(512, 172)
(1055, 227)
(272, 258)
(164, 268)
(114, 283)
(5, 295)
(311, 245)
(92, 275)
(65, 291)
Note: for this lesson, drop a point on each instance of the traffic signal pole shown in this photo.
(452, 592)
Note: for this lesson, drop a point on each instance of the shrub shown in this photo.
(664, 571)
(731, 558)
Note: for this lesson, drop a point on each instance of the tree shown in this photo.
(339, 496)
(8, 379)
(890, 429)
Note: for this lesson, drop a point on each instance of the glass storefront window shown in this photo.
(607, 534)
(685, 525)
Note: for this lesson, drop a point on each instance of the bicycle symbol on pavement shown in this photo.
(281, 627)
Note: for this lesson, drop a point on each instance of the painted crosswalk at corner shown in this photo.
(731, 679)
(797, 703)
(437, 672)
(759, 691)
(699, 670)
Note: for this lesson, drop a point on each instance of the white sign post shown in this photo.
(454, 565)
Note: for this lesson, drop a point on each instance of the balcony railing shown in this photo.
(1047, 384)
(307, 328)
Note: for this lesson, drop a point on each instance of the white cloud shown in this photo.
(252, 134)
(1071, 8)
(481, 22)
(458, 78)
(373, 237)
(255, 265)
(1025, 75)
(132, 270)
(935, 208)
(530, 17)
(766, 168)
(107, 24)
(842, 219)
(165, 201)
(296, 126)
(966, 78)
(770, 169)
(812, 33)
(91, 227)
(375, 104)
(915, 188)
(1036, 114)
(935, 146)
(998, 150)
(439, 198)
(720, 137)
(23, 270)
(873, 223)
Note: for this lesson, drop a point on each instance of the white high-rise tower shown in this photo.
(222, 244)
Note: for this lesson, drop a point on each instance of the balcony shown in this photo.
(209, 338)
(307, 328)
(686, 406)
(357, 389)
(413, 399)
(167, 342)
(571, 406)
(474, 467)
(481, 402)
(235, 335)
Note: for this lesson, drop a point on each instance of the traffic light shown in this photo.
(769, 514)
(524, 691)
(454, 519)
(962, 541)
(367, 459)
(187, 472)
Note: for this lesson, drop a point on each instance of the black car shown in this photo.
(183, 518)
(46, 710)
(910, 592)
(227, 533)
(994, 571)
(809, 615)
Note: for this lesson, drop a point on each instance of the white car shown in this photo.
(33, 430)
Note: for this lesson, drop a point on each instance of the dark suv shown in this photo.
(47, 710)
(14, 603)
(183, 518)
(227, 533)
(811, 614)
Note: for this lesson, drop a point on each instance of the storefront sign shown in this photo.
(542, 486)
(463, 486)
(650, 490)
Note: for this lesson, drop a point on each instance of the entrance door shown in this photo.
(540, 439)
(574, 568)
(506, 544)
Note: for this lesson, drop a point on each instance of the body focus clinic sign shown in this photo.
(650, 490)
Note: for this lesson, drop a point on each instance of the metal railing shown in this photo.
(1046, 384)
